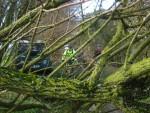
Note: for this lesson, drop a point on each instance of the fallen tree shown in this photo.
(110, 89)
(128, 87)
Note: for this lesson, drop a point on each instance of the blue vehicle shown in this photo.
(42, 67)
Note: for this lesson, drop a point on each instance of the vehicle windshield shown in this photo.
(37, 48)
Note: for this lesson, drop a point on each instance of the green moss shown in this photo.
(134, 70)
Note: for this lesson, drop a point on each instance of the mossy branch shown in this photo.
(102, 61)
(71, 89)
(28, 16)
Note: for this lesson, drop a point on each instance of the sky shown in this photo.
(92, 4)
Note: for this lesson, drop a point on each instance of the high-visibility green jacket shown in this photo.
(68, 53)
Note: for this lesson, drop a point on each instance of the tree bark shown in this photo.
(71, 89)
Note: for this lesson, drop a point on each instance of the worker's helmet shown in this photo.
(66, 47)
